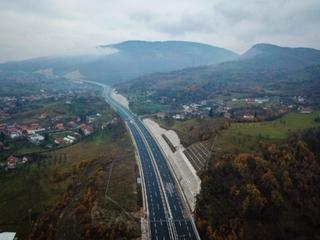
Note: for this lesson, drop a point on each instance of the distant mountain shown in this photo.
(283, 58)
(194, 54)
(262, 64)
(128, 60)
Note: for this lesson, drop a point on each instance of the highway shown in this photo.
(167, 214)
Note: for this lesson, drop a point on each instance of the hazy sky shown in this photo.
(30, 28)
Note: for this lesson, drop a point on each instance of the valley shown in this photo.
(159, 120)
(93, 161)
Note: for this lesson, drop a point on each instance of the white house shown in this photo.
(36, 138)
(178, 117)
(15, 134)
(69, 139)
(7, 236)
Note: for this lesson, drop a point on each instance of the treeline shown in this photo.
(272, 194)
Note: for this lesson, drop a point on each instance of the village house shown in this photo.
(8, 236)
(69, 139)
(12, 162)
(58, 141)
(203, 102)
(3, 127)
(261, 100)
(300, 99)
(161, 115)
(34, 128)
(25, 159)
(186, 109)
(23, 128)
(305, 110)
(250, 101)
(178, 116)
(248, 117)
(90, 119)
(56, 118)
(60, 126)
(15, 133)
(86, 129)
(44, 115)
(36, 138)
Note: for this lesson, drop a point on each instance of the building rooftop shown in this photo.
(7, 236)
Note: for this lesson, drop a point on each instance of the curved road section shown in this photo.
(167, 213)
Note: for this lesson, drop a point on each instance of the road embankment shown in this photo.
(120, 98)
(183, 170)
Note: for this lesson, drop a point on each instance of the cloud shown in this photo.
(31, 28)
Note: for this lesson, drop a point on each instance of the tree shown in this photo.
(2, 136)
(46, 137)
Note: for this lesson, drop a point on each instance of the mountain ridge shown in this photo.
(129, 61)
(265, 67)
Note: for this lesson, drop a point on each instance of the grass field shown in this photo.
(26, 147)
(247, 136)
(141, 104)
(142, 108)
(192, 130)
(32, 115)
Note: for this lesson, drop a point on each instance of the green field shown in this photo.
(247, 136)
(142, 108)
(25, 147)
(192, 130)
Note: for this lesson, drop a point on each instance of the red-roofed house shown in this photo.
(3, 127)
(60, 126)
(87, 130)
(306, 110)
(12, 162)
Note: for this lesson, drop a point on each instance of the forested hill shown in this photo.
(124, 61)
(263, 64)
(270, 194)
(272, 57)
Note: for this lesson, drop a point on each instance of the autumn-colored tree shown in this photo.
(271, 194)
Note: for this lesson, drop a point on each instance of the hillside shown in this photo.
(262, 65)
(69, 190)
(119, 62)
(272, 193)
(284, 58)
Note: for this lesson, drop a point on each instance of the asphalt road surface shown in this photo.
(168, 216)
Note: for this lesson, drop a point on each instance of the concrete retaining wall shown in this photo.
(183, 170)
